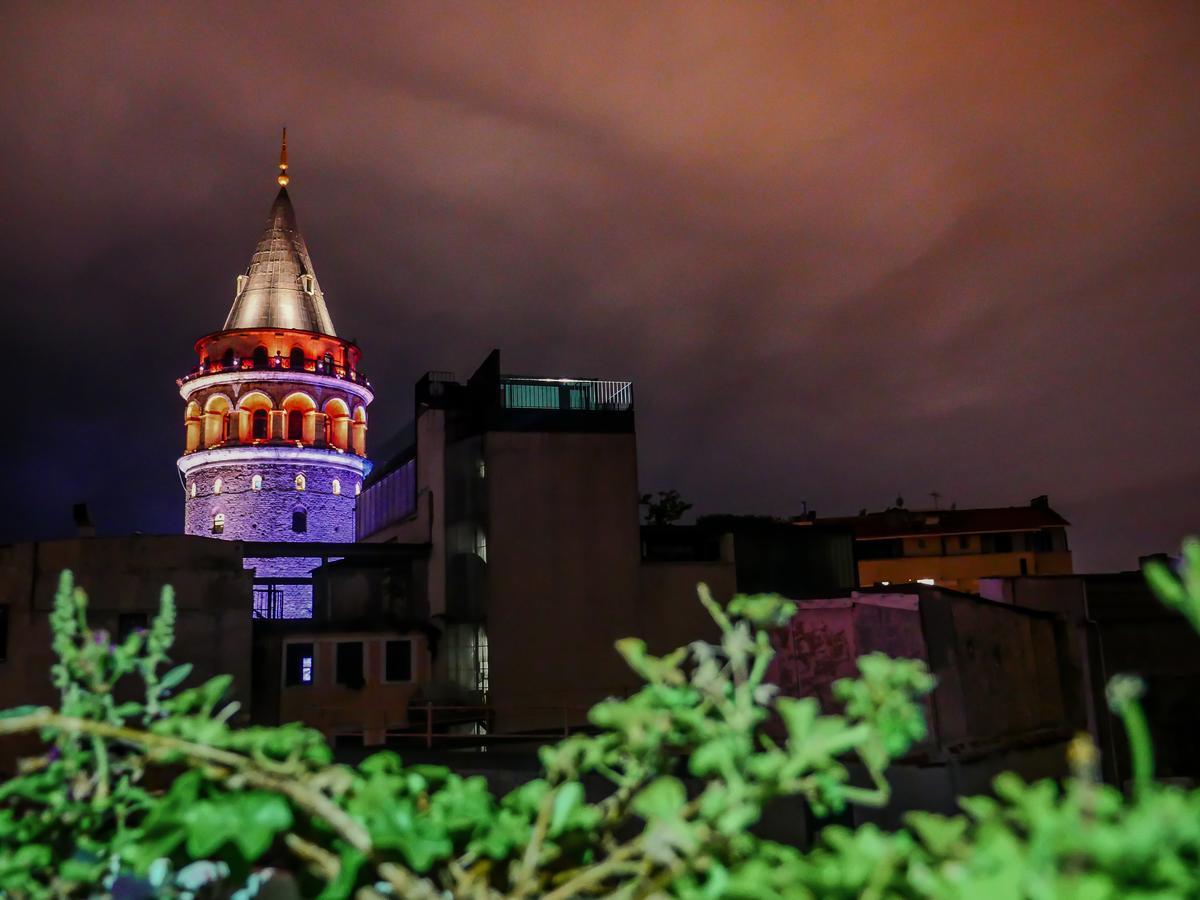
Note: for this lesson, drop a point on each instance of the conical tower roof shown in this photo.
(280, 289)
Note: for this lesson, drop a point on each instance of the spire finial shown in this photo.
(283, 175)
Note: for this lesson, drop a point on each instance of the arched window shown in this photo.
(301, 482)
(218, 523)
(357, 488)
(261, 358)
(260, 425)
(295, 424)
(337, 487)
(193, 489)
(227, 359)
(299, 521)
(296, 359)
(217, 486)
(256, 483)
(337, 414)
(328, 363)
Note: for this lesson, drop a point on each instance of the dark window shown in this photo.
(128, 623)
(295, 424)
(260, 424)
(261, 359)
(350, 663)
(921, 543)
(885, 549)
(227, 359)
(344, 741)
(328, 362)
(1024, 566)
(3, 633)
(398, 661)
(299, 665)
(300, 521)
(296, 358)
(997, 543)
(963, 542)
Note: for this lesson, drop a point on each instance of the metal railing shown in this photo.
(566, 394)
(277, 363)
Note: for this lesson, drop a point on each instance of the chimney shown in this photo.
(1041, 501)
(83, 521)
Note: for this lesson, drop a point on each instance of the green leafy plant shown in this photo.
(163, 788)
(154, 786)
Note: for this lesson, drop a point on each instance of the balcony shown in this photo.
(566, 394)
(275, 364)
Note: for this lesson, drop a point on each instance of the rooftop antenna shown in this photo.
(283, 175)
(936, 497)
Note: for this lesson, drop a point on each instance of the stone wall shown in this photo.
(266, 514)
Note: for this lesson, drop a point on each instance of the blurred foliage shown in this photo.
(164, 790)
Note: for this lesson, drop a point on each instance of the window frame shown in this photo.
(286, 674)
(337, 651)
(412, 660)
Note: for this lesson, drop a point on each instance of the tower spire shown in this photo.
(283, 175)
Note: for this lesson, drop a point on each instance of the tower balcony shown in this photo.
(278, 363)
(274, 452)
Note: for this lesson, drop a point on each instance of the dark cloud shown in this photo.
(844, 250)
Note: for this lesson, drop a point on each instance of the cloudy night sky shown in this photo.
(845, 251)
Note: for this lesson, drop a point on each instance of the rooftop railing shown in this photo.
(566, 394)
(276, 363)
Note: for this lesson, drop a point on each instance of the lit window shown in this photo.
(256, 483)
(357, 488)
(301, 483)
(298, 664)
(193, 489)
(219, 523)
(337, 487)
(217, 486)
(925, 581)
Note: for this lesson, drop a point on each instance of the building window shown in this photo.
(295, 425)
(128, 623)
(963, 542)
(481, 544)
(218, 523)
(296, 359)
(256, 483)
(227, 359)
(259, 425)
(397, 661)
(301, 482)
(192, 489)
(298, 664)
(299, 521)
(349, 668)
(357, 488)
(308, 283)
(337, 487)
(261, 359)
(217, 486)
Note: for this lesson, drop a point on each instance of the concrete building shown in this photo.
(1007, 695)
(123, 578)
(955, 548)
(1115, 625)
(275, 420)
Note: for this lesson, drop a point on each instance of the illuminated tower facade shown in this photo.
(276, 408)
